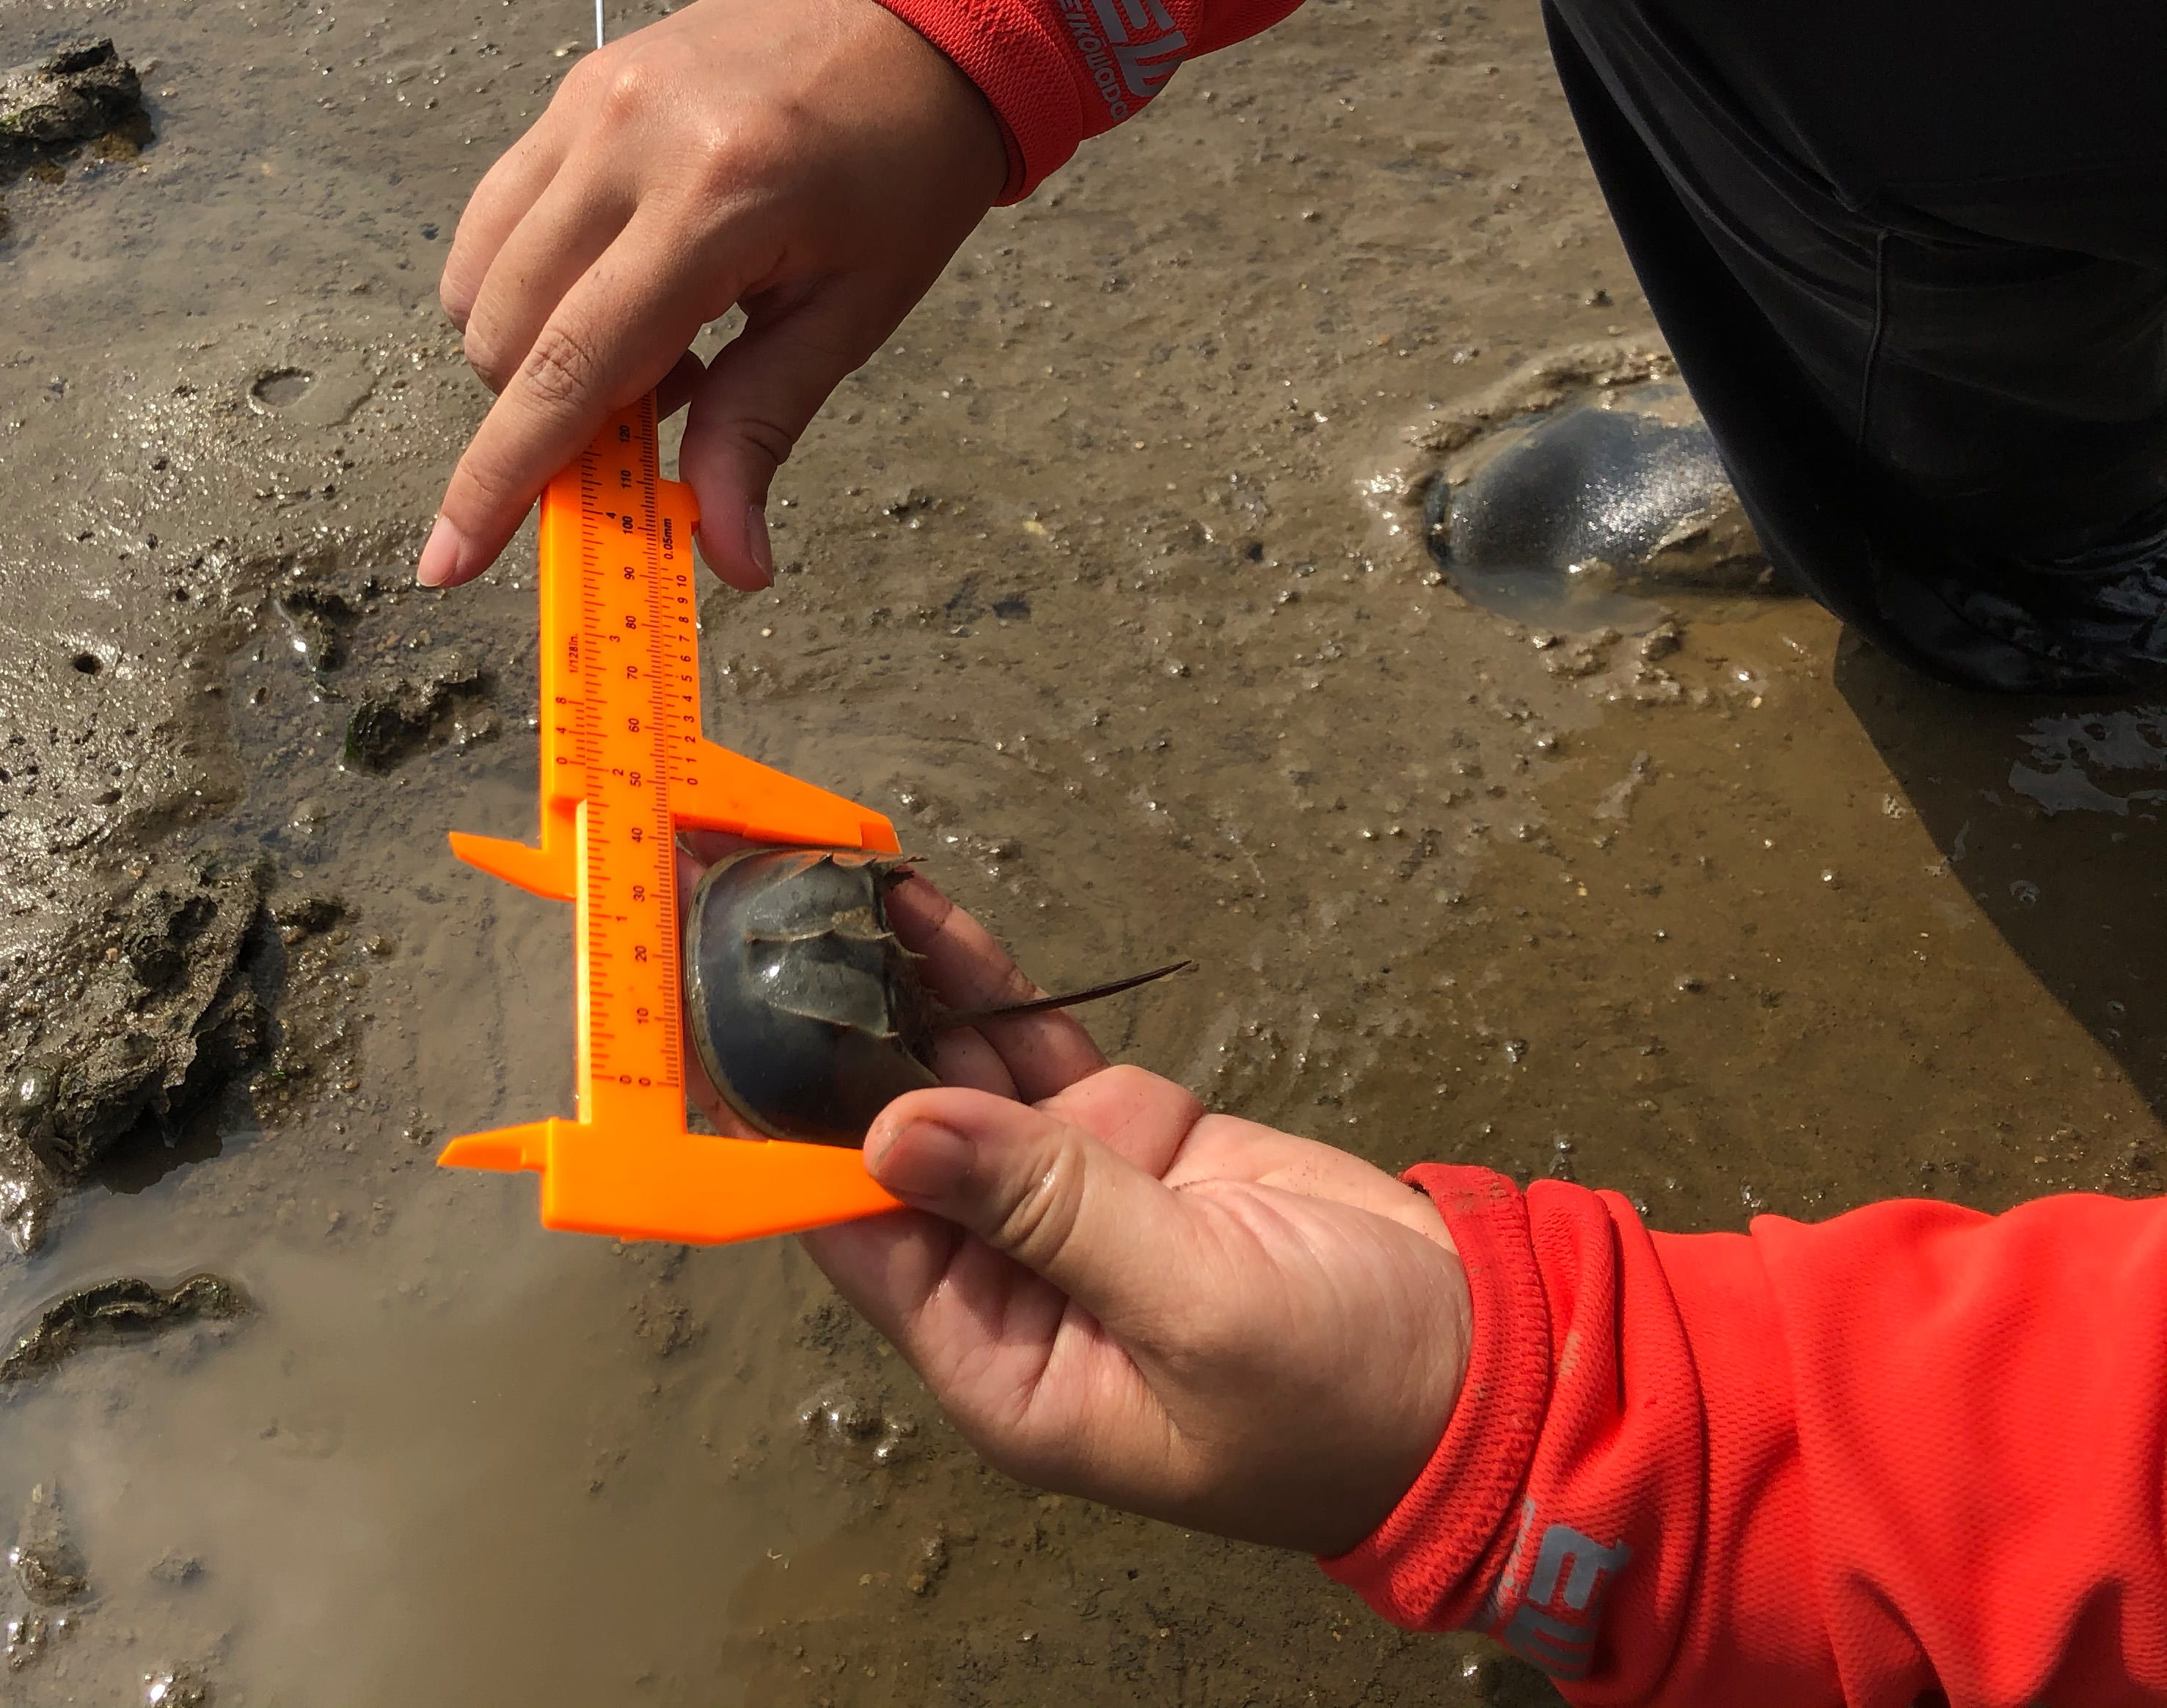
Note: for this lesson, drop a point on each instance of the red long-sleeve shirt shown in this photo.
(1914, 1449)
(1911, 1449)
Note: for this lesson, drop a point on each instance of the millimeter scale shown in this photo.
(625, 768)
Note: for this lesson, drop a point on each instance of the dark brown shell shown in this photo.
(807, 1014)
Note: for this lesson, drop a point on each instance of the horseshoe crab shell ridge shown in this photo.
(806, 1010)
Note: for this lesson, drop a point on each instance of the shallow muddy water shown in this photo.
(1107, 582)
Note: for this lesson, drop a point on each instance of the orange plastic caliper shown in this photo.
(624, 768)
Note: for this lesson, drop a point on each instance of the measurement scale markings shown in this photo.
(622, 755)
(655, 1020)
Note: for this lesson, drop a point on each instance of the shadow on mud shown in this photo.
(2049, 812)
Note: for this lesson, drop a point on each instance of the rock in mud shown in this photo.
(174, 1569)
(25, 1639)
(125, 1308)
(930, 1565)
(52, 105)
(177, 1687)
(131, 1024)
(398, 708)
(319, 617)
(307, 916)
(47, 1564)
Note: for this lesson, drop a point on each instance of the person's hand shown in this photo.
(814, 161)
(1115, 1293)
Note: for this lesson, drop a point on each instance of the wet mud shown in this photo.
(1111, 579)
(84, 94)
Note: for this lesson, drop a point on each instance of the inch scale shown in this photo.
(624, 768)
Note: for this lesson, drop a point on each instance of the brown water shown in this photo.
(1098, 583)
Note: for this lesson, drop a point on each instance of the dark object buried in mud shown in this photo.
(82, 93)
(168, 1011)
(125, 1308)
(398, 708)
(806, 1010)
(1574, 508)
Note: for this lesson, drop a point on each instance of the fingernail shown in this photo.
(441, 554)
(921, 1160)
(756, 546)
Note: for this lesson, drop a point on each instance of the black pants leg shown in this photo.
(1928, 330)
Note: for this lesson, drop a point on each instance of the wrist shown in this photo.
(1424, 1558)
(962, 109)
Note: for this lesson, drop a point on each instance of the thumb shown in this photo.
(1046, 1194)
(756, 398)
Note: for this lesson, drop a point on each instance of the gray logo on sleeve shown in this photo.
(1553, 1622)
(1129, 47)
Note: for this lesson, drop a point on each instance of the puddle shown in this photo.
(2099, 762)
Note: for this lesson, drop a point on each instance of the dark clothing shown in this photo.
(1912, 261)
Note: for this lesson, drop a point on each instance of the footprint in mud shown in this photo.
(325, 393)
(281, 386)
(1581, 489)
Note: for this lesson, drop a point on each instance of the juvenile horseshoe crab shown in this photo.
(808, 1013)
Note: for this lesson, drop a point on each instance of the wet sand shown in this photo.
(1104, 583)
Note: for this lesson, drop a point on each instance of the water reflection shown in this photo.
(2049, 813)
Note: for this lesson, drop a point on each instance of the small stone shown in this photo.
(1661, 641)
(47, 1565)
(304, 915)
(176, 1687)
(176, 1568)
(932, 1563)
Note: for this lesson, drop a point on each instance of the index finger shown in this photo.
(968, 968)
(616, 334)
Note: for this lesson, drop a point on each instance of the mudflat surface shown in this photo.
(1107, 582)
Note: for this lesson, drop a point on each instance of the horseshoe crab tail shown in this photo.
(971, 1016)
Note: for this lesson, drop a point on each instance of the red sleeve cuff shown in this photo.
(1059, 70)
(1430, 1566)
(1564, 1512)
(1021, 67)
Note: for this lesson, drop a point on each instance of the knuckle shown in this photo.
(1037, 1225)
(741, 146)
(634, 87)
(560, 370)
(714, 157)
(483, 355)
(586, 80)
(454, 296)
(768, 438)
